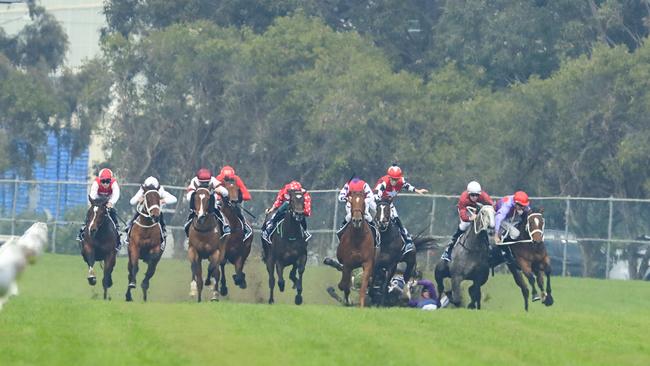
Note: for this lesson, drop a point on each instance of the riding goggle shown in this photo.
(474, 194)
(105, 181)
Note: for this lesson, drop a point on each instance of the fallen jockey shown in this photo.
(358, 185)
(280, 207)
(387, 188)
(105, 185)
(204, 179)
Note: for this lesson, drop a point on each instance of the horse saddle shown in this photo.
(376, 235)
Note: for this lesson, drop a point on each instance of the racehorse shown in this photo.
(356, 248)
(288, 247)
(205, 241)
(390, 253)
(145, 240)
(238, 247)
(531, 258)
(98, 243)
(469, 260)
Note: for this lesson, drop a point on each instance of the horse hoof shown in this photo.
(548, 301)
(536, 298)
(298, 299)
(281, 286)
(92, 281)
(131, 284)
(242, 284)
(129, 298)
(271, 301)
(214, 297)
(223, 291)
(207, 282)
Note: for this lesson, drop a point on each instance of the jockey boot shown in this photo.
(188, 222)
(306, 233)
(225, 227)
(408, 240)
(446, 255)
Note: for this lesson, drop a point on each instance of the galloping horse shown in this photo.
(238, 247)
(390, 253)
(469, 260)
(99, 238)
(531, 257)
(288, 247)
(205, 241)
(356, 248)
(145, 240)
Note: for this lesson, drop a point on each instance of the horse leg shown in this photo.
(215, 261)
(151, 270)
(89, 257)
(197, 276)
(270, 267)
(441, 272)
(224, 288)
(516, 274)
(292, 275)
(107, 281)
(193, 257)
(548, 301)
(344, 284)
(367, 271)
(133, 270)
(239, 277)
(301, 269)
(531, 281)
(279, 269)
(455, 290)
(475, 295)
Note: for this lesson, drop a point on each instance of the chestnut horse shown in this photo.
(531, 258)
(470, 260)
(238, 247)
(390, 253)
(205, 242)
(288, 247)
(145, 240)
(99, 238)
(356, 248)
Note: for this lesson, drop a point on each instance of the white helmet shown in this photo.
(473, 187)
(151, 181)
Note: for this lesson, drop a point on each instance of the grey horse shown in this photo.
(469, 260)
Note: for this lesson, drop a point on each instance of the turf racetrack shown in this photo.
(56, 321)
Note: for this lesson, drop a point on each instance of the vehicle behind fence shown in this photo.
(584, 236)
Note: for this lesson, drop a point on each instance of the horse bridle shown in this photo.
(383, 227)
(148, 209)
(95, 209)
(540, 230)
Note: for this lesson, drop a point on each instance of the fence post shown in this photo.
(13, 208)
(609, 235)
(433, 214)
(566, 234)
(56, 216)
(335, 219)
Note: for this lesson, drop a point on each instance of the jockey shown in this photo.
(358, 185)
(204, 179)
(469, 198)
(511, 210)
(280, 206)
(105, 185)
(138, 198)
(228, 173)
(387, 188)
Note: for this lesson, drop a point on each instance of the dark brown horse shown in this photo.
(531, 259)
(205, 242)
(145, 240)
(99, 238)
(390, 253)
(238, 246)
(356, 248)
(288, 247)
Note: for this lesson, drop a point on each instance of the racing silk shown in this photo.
(433, 294)
(283, 196)
(345, 193)
(245, 195)
(464, 202)
(506, 210)
(112, 191)
(164, 196)
(386, 191)
(214, 184)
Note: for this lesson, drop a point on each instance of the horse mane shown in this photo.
(100, 200)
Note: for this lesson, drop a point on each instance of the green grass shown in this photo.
(56, 321)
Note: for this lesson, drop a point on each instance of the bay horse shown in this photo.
(145, 240)
(288, 247)
(531, 258)
(98, 243)
(390, 254)
(356, 248)
(469, 260)
(238, 246)
(205, 242)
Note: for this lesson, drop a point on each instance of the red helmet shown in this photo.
(228, 171)
(204, 174)
(105, 174)
(395, 172)
(356, 185)
(294, 186)
(521, 198)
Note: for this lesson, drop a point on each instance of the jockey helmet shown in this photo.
(228, 171)
(294, 186)
(521, 198)
(151, 182)
(356, 185)
(204, 174)
(105, 174)
(474, 187)
(395, 172)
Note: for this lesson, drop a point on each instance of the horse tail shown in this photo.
(422, 242)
